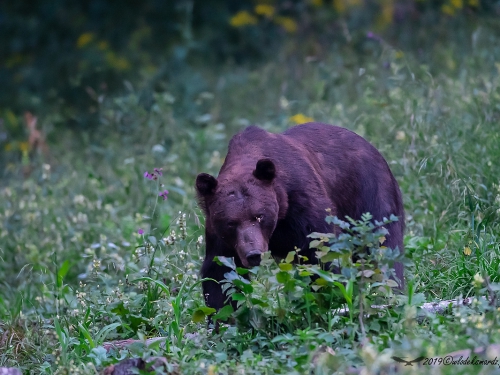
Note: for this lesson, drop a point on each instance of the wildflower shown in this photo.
(84, 39)
(242, 18)
(199, 242)
(400, 135)
(264, 10)
(478, 280)
(140, 231)
(163, 194)
(467, 251)
(182, 225)
(153, 176)
(372, 35)
(117, 62)
(299, 118)
(448, 9)
(339, 6)
(287, 23)
(316, 3)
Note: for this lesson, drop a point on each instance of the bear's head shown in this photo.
(242, 208)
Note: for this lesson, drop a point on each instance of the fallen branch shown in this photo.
(441, 307)
(120, 344)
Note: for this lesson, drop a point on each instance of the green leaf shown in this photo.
(330, 256)
(327, 276)
(259, 302)
(305, 273)
(315, 243)
(225, 261)
(290, 257)
(244, 286)
(152, 239)
(224, 313)
(282, 277)
(238, 297)
(101, 335)
(285, 266)
(366, 273)
(242, 271)
(157, 282)
(391, 283)
(84, 331)
(201, 312)
(321, 281)
(62, 272)
(198, 316)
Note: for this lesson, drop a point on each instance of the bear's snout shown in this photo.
(253, 258)
(250, 245)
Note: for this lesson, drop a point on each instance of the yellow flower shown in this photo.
(11, 118)
(103, 45)
(299, 118)
(385, 16)
(339, 6)
(287, 23)
(317, 3)
(117, 62)
(264, 10)
(473, 3)
(448, 9)
(467, 250)
(24, 147)
(399, 54)
(242, 18)
(459, 4)
(84, 39)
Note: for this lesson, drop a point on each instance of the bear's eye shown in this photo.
(259, 218)
(232, 224)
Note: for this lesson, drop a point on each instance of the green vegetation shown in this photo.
(93, 248)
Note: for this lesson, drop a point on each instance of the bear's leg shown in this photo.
(212, 290)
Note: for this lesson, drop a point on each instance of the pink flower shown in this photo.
(153, 176)
(163, 194)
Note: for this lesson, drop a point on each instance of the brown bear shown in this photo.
(273, 189)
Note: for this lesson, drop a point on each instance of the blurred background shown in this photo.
(62, 59)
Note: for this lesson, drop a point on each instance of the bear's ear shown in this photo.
(205, 184)
(265, 170)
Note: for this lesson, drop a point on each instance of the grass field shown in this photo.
(90, 252)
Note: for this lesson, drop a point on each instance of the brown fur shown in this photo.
(273, 189)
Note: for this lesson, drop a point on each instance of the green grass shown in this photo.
(75, 271)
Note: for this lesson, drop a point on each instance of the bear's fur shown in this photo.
(273, 189)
